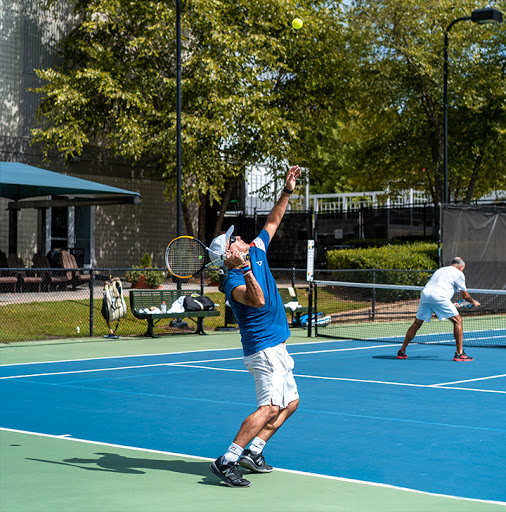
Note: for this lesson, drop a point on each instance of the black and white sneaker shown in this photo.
(229, 473)
(254, 462)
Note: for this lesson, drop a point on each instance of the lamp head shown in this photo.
(483, 16)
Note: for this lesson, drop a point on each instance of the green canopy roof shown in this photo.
(20, 181)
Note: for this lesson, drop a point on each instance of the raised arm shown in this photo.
(251, 293)
(466, 296)
(276, 215)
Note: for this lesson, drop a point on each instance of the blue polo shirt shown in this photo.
(260, 327)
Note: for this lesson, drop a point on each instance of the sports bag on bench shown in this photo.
(200, 303)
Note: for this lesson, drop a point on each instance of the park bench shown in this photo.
(290, 295)
(142, 299)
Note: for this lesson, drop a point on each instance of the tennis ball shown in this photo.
(297, 23)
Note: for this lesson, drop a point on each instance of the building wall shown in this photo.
(122, 233)
(28, 39)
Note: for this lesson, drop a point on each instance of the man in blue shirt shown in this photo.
(253, 296)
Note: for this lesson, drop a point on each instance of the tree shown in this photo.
(391, 133)
(117, 88)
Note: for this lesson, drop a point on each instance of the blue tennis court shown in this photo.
(426, 423)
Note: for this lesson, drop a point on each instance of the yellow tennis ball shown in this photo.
(297, 23)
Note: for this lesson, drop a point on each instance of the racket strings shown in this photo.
(185, 257)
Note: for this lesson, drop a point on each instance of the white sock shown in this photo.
(233, 453)
(257, 445)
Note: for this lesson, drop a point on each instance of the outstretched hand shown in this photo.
(291, 177)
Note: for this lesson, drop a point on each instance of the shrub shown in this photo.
(414, 256)
(153, 278)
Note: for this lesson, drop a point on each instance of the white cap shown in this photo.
(218, 248)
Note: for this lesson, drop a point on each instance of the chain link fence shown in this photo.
(52, 304)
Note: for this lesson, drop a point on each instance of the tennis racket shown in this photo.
(187, 256)
(463, 304)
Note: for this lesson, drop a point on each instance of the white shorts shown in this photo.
(443, 309)
(272, 371)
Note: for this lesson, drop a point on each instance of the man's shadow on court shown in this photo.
(417, 358)
(114, 463)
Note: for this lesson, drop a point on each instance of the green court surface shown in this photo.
(40, 473)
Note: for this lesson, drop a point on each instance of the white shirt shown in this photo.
(443, 284)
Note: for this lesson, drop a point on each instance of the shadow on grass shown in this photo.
(113, 463)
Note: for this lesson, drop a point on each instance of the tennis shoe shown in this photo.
(255, 463)
(229, 473)
(402, 355)
(462, 357)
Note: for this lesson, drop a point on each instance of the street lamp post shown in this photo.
(481, 16)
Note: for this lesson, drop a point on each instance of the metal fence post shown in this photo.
(92, 286)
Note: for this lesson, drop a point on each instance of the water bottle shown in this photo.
(164, 307)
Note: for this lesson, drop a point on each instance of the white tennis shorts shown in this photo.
(442, 308)
(272, 370)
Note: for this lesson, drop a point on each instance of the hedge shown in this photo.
(413, 256)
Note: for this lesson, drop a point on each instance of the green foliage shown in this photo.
(355, 95)
(240, 63)
(213, 276)
(153, 278)
(391, 132)
(415, 256)
(146, 261)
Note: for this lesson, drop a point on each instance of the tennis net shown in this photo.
(383, 312)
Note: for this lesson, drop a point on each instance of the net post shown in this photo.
(316, 309)
(373, 300)
(309, 278)
(439, 237)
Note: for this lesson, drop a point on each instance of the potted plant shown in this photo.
(142, 279)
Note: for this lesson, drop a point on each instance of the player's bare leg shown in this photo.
(255, 422)
(411, 333)
(458, 333)
(272, 426)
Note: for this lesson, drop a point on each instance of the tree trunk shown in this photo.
(474, 178)
(224, 204)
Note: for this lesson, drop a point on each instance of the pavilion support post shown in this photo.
(13, 230)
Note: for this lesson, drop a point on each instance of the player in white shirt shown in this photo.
(436, 298)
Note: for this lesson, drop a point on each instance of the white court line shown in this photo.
(470, 380)
(290, 471)
(343, 379)
(196, 365)
(123, 357)
(157, 354)
(117, 368)
(346, 349)
(110, 369)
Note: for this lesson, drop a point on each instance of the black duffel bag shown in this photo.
(200, 303)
